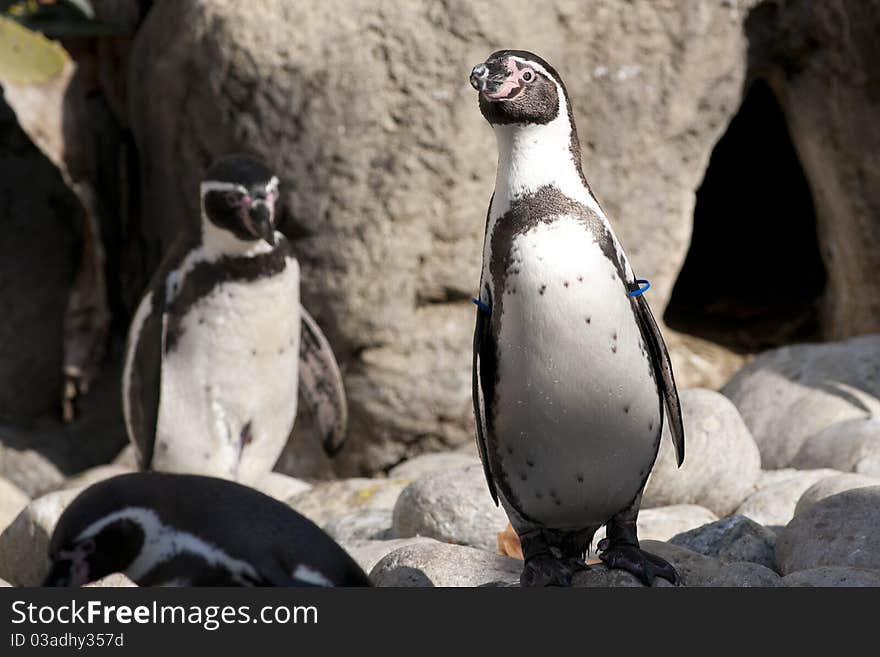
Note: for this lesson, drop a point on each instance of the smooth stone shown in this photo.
(426, 464)
(850, 446)
(745, 574)
(29, 470)
(441, 564)
(694, 569)
(841, 530)
(127, 457)
(833, 576)
(113, 580)
(24, 544)
(94, 475)
(12, 501)
(363, 524)
(732, 539)
(775, 504)
(722, 462)
(789, 394)
(832, 486)
(368, 553)
(663, 522)
(453, 506)
(328, 499)
(600, 576)
(281, 486)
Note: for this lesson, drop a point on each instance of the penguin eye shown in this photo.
(87, 546)
(528, 76)
(231, 197)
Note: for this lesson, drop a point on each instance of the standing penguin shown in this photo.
(187, 530)
(571, 374)
(220, 344)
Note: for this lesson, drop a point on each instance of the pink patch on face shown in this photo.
(512, 84)
(79, 565)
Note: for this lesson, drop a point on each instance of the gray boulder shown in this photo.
(600, 576)
(732, 539)
(12, 501)
(789, 394)
(94, 475)
(775, 503)
(850, 446)
(329, 499)
(440, 564)
(721, 464)
(841, 530)
(24, 544)
(695, 569)
(745, 574)
(832, 486)
(833, 576)
(369, 552)
(281, 486)
(363, 524)
(28, 469)
(663, 522)
(426, 464)
(453, 506)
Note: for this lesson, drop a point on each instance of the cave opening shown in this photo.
(753, 275)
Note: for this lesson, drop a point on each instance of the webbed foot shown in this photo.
(631, 558)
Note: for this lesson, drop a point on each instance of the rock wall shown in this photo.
(387, 166)
(821, 59)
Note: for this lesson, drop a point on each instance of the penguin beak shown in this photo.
(495, 79)
(261, 222)
(59, 574)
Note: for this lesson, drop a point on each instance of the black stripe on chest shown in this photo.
(545, 206)
(204, 277)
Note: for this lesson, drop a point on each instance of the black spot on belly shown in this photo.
(522, 475)
(530, 463)
(626, 409)
(201, 320)
(539, 495)
(247, 434)
(614, 349)
(565, 284)
(588, 320)
(580, 478)
(651, 425)
(580, 279)
(253, 352)
(541, 290)
(509, 450)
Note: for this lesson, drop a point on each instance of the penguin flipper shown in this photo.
(142, 378)
(662, 365)
(320, 385)
(483, 370)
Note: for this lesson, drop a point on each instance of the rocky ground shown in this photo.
(724, 519)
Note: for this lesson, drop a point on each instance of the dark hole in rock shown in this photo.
(753, 275)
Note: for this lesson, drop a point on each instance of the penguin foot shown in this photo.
(546, 570)
(644, 565)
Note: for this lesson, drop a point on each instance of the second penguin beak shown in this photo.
(261, 217)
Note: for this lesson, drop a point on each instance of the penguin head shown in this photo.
(518, 87)
(86, 547)
(238, 196)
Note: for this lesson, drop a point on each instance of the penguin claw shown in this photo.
(644, 565)
(546, 570)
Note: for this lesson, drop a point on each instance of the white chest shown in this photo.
(229, 381)
(576, 407)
